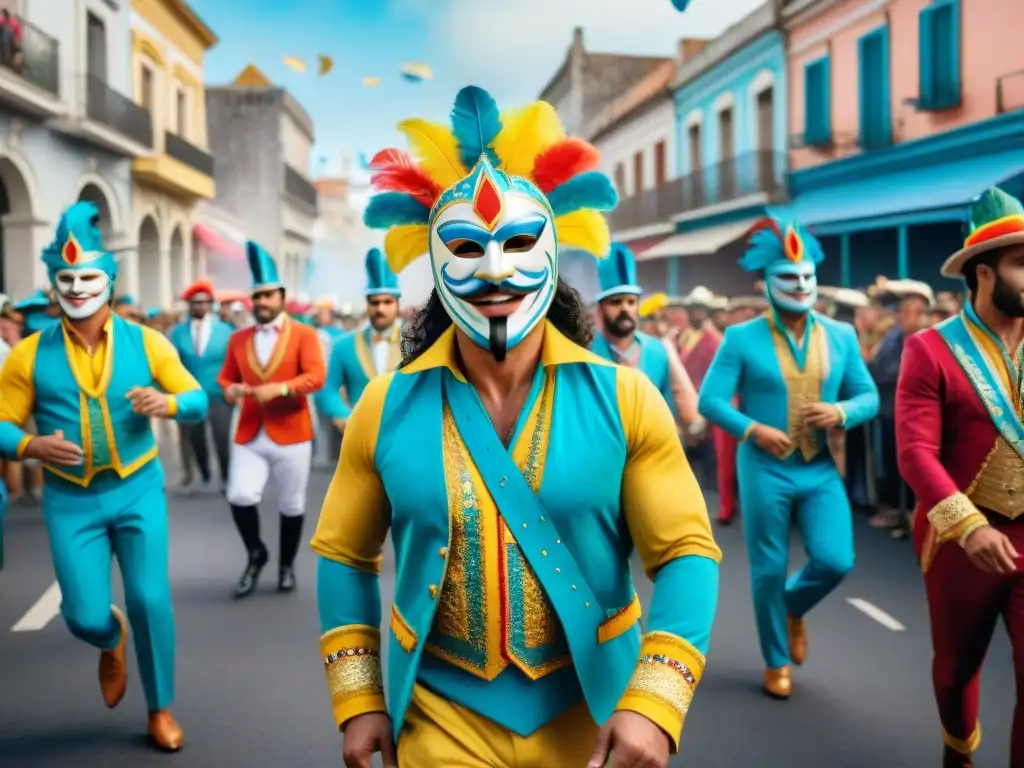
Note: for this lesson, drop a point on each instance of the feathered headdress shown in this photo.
(529, 143)
(771, 240)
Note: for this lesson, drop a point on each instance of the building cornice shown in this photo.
(733, 39)
(183, 14)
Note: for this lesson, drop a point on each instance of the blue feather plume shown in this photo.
(393, 209)
(588, 190)
(766, 246)
(476, 122)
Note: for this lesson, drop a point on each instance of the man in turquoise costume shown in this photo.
(516, 471)
(797, 374)
(619, 306)
(38, 312)
(358, 357)
(93, 382)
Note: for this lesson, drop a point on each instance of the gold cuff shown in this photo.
(966, 747)
(842, 415)
(748, 432)
(664, 681)
(352, 665)
(953, 516)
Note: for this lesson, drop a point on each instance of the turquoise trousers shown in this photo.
(87, 528)
(772, 494)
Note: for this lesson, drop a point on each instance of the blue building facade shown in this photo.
(731, 135)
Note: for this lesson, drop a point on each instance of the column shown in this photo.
(844, 260)
(672, 281)
(23, 238)
(903, 253)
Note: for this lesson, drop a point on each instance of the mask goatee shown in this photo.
(499, 338)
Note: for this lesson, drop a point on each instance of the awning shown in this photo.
(642, 244)
(217, 241)
(698, 241)
(922, 195)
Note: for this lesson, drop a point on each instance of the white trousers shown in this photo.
(254, 463)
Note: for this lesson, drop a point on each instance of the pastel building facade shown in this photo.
(901, 111)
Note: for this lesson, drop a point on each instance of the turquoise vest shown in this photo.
(653, 362)
(356, 377)
(110, 433)
(205, 367)
(585, 427)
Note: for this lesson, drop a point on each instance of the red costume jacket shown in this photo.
(297, 362)
(697, 351)
(950, 452)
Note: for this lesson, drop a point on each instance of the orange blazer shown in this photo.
(297, 362)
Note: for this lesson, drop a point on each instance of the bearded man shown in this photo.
(516, 471)
(790, 368)
(93, 382)
(961, 449)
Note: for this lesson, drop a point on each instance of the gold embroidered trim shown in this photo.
(621, 621)
(999, 484)
(949, 516)
(966, 746)
(404, 634)
(352, 663)
(677, 647)
(667, 672)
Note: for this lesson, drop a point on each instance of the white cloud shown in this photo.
(519, 44)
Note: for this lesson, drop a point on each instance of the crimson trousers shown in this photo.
(725, 467)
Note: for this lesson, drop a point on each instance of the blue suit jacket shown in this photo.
(653, 362)
(747, 365)
(204, 367)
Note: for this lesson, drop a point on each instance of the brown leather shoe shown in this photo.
(164, 731)
(113, 670)
(778, 683)
(797, 640)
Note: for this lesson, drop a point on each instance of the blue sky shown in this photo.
(511, 48)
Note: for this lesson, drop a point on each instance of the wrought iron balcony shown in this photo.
(35, 57)
(722, 182)
(298, 186)
(116, 111)
(189, 154)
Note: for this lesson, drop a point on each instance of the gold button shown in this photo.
(544, 552)
(442, 552)
(573, 587)
(433, 591)
(558, 541)
(558, 570)
(1011, 491)
(542, 519)
(524, 525)
(586, 605)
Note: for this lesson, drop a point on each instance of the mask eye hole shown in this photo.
(466, 249)
(519, 244)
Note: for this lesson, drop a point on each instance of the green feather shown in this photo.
(991, 205)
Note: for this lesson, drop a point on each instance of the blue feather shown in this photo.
(588, 190)
(764, 247)
(476, 123)
(393, 209)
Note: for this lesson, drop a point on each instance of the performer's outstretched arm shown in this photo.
(17, 397)
(858, 387)
(919, 437)
(718, 390)
(186, 400)
(350, 539)
(668, 522)
(331, 401)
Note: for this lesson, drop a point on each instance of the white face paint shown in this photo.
(82, 292)
(497, 282)
(793, 287)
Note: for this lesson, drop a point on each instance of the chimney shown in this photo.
(689, 47)
(577, 40)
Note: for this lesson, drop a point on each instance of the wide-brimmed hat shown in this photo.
(884, 288)
(847, 297)
(700, 297)
(758, 303)
(995, 219)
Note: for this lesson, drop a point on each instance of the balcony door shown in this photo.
(726, 152)
(766, 138)
(694, 189)
(96, 49)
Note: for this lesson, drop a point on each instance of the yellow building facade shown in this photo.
(169, 42)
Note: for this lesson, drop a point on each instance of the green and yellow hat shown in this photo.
(995, 219)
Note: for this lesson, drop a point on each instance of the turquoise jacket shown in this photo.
(614, 476)
(653, 362)
(350, 365)
(205, 367)
(747, 365)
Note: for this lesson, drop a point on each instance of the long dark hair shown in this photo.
(567, 313)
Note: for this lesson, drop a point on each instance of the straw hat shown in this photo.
(700, 297)
(900, 289)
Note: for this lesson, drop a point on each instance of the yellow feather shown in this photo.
(653, 304)
(404, 244)
(586, 230)
(436, 150)
(525, 134)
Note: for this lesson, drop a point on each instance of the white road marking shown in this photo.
(42, 613)
(872, 611)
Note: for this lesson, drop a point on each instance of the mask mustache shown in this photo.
(523, 282)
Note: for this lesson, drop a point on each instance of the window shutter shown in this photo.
(926, 57)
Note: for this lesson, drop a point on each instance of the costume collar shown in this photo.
(76, 337)
(277, 322)
(556, 349)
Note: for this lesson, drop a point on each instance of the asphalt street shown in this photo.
(251, 690)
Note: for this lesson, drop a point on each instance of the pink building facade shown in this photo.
(900, 112)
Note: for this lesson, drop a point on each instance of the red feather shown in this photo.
(395, 171)
(761, 224)
(566, 159)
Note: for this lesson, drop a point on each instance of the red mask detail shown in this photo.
(70, 251)
(487, 202)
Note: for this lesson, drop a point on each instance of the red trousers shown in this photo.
(965, 604)
(725, 461)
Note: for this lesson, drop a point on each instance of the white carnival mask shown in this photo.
(82, 292)
(792, 286)
(494, 257)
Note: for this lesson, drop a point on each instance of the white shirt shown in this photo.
(381, 350)
(266, 339)
(200, 331)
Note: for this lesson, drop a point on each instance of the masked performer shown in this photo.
(961, 449)
(516, 471)
(93, 382)
(356, 358)
(270, 369)
(620, 341)
(202, 343)
(789, 368)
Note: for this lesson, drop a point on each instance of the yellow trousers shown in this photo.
(439, 734)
